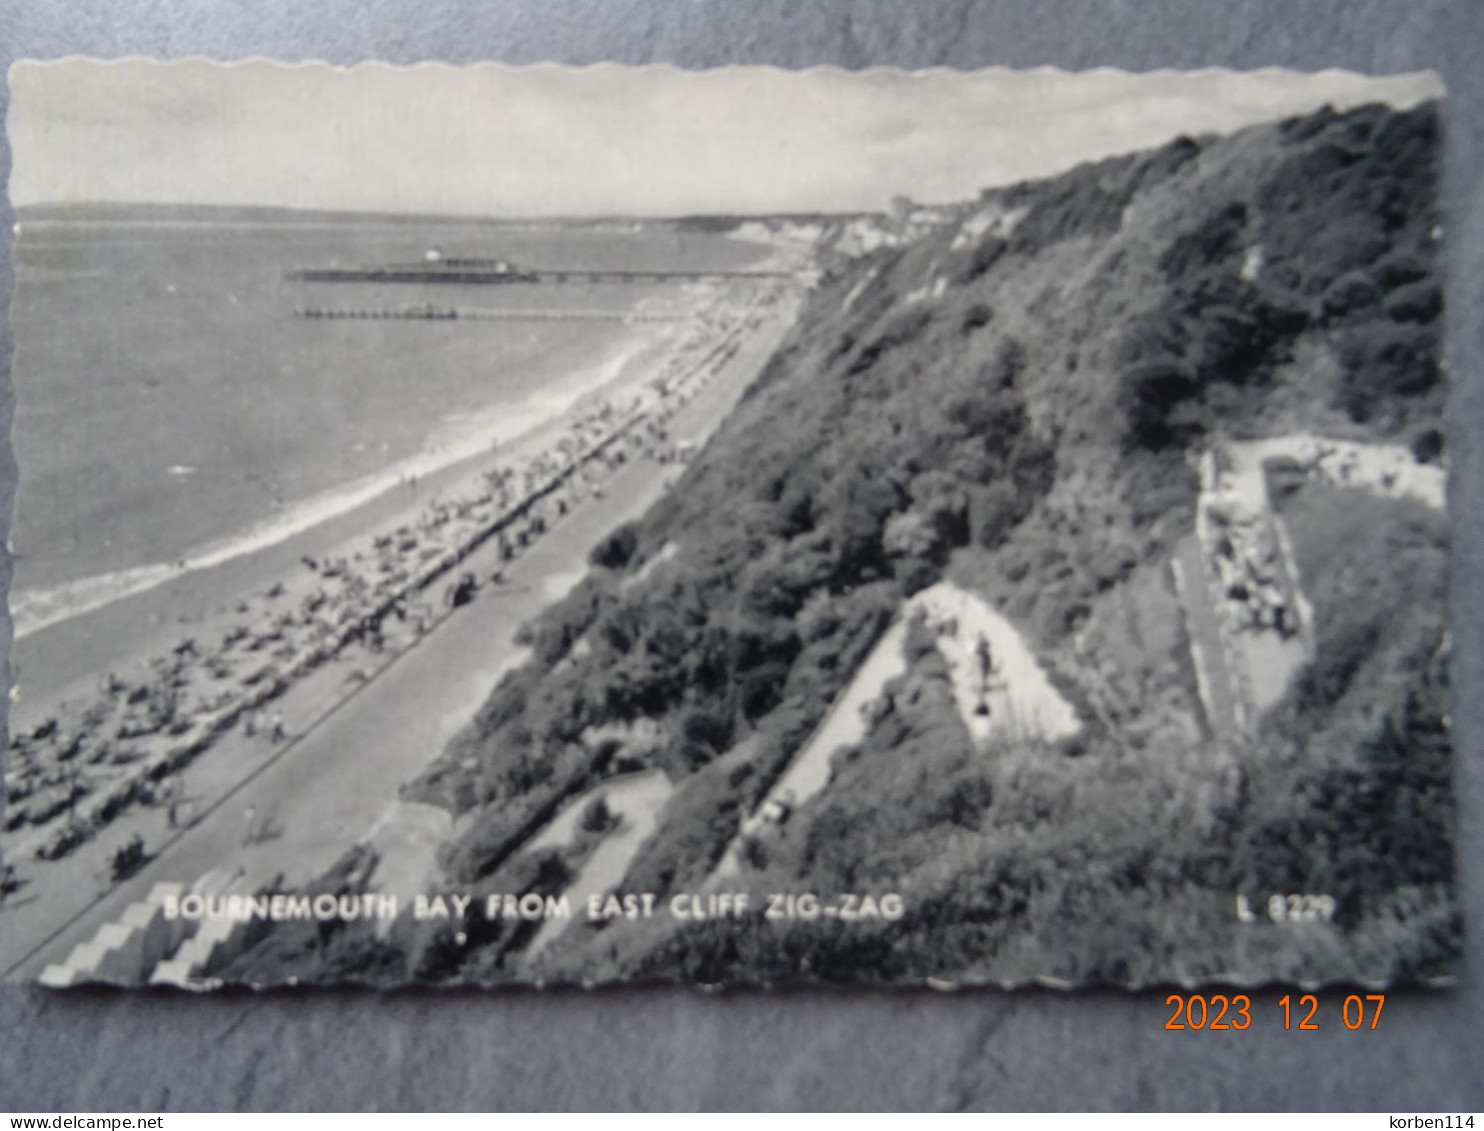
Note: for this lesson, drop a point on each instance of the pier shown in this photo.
(425, 313)
(455, 271)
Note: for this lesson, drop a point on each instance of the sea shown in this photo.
(172, 409)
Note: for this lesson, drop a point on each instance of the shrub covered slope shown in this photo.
(1011, 403)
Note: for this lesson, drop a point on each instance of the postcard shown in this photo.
(572, 526)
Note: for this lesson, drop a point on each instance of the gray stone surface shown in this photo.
(661, 1048)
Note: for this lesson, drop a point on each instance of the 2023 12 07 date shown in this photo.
(1214, 1012)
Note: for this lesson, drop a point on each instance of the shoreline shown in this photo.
(481, 434)
(318, 790)
(119, 738)
(64, 656)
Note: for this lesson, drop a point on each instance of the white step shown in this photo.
(126, 950)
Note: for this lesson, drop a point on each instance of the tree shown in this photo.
(615, 551)
(597, 817)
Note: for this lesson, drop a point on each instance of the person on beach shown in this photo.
(278, 733)
(985, 659)
(169, 793)
(250, 821)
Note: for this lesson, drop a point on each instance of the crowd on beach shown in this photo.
(76, 771)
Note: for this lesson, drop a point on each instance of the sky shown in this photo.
(493, 140)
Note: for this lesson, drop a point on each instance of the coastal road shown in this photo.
(345, 760)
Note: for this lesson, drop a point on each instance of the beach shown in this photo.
(173, 416)
(302, 535)
(323, 788)
(169, 402)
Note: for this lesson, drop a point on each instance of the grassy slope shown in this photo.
(1023, 431)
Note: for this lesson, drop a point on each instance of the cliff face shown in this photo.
(1009, 409)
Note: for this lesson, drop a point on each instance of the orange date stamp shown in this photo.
(1215, 1012)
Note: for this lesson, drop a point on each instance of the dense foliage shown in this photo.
(1013, 407)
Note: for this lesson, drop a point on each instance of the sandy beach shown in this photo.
(170, 404)
(461, 440)
(562, 463)
(57, 660)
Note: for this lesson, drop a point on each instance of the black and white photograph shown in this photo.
(568, 526)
